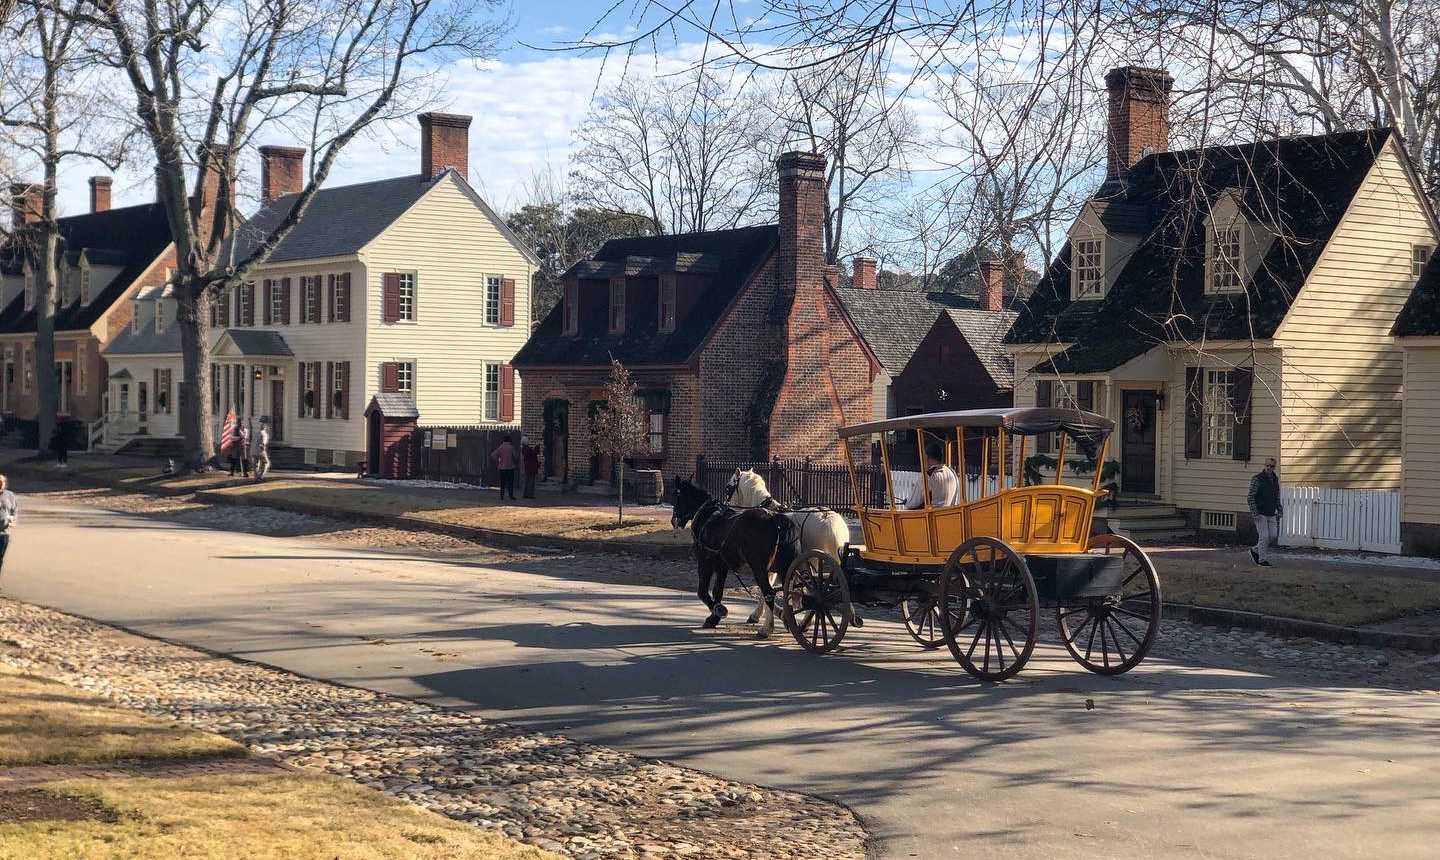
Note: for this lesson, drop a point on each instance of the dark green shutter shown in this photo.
(1044, 397)
(1194, 413)
(1241, 388)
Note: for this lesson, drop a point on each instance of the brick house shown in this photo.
(737, 339)
(938, 351)
(107, 257)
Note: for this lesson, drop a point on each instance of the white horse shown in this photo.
(814, 528)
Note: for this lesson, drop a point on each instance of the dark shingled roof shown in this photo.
(737, 253)
(146, 341)
(1421, 315)
(985, 332)
(340, 221)
(1299, 186)
(131, 237)
(258, 341)
(393, 405)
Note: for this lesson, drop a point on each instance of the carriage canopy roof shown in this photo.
(1075, 423)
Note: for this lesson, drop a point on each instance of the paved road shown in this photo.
(1174, 760)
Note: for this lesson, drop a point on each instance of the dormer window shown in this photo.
(571, 308)
(1419, 256)
(1088, 271)
(84, 283)
(29, 288)
(1226, 259)
(667, 302)
(159, 316)
(135, 320)
(617, 306)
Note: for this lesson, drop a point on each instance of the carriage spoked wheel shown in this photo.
(1110, 635)
(1000, 608)
(922, 619)
(817, 608)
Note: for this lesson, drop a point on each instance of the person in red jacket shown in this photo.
(506, 459)
(531, 455)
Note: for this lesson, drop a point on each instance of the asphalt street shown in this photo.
(1172, 760)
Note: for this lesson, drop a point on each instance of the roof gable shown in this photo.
(1299, 188)
(1421, 315)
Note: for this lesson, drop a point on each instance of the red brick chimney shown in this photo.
(1139, 116)
(282, 171)
(100, 193)
(991, 275)
(27, 204)
(864, 276)
(444, 142)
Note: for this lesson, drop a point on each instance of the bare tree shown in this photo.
(208, 76)
(620, 426)
(683, 150)
(52, 102)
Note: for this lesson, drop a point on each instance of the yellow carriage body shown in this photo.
(1046, 518)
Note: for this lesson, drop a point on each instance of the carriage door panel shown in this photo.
(879, 532)
(949, 529)
(914, 534)
(984, 518)
(1018, 519)
(1073, 521)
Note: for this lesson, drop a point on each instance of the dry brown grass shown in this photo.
(1348, 598)
(252, 816)
(42, 722)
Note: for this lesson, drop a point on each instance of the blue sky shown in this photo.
(525, 106)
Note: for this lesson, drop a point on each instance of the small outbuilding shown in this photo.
(391, 425)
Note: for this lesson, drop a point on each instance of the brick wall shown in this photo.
(732, 367)
(444, 142)
(1139, 105)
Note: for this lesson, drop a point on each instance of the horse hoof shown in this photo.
(720, 611)
(857, 620)
(754, 616)
(762, 633)
(712, 622)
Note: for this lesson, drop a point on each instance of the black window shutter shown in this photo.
(1044, 397)
(330, 388)
(1194, 413)
(1241, 389)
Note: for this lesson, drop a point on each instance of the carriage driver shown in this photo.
(944, 485)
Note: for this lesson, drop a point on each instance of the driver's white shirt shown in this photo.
(944, 489)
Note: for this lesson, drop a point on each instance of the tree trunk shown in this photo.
(46, 385)
(621, 483)
(193, 317)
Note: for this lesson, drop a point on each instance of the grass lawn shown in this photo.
(1363, 595)
(253, 816)
(281, 814)
(42, 722)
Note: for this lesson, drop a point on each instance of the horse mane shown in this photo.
(751, 489)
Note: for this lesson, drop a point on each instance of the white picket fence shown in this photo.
(904, 484)
(1341, 519)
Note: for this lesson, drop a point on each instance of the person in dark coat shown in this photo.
(530, 454)
(1265, 510)
(60, 444)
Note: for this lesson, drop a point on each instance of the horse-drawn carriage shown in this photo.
(974, 570)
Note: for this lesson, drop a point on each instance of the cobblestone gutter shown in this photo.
(580, 799)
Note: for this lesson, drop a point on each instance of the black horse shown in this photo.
(726, 539)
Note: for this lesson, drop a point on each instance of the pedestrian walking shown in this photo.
(242, 448)
(506, 458)
(260, 449)
(9, 513)
(1265, 510)
(60, 444)
(531, 456)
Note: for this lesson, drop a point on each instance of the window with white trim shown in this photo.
(277, 301)
(656, 434)
(405, 377)
(492, 392)
(1419, 256)
(407, 296)
(310, 292)
(1088, 267)
(1227, 256)
(247, 310)
(85, 284)
(159, 316)
(1219, 413)
(29, 288)
(493, 285)
(617, 306)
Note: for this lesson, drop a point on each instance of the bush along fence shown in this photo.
(461, 454)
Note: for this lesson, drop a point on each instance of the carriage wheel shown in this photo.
(1112, 634)
(922, 619)
(817, 602)
(1000, 608)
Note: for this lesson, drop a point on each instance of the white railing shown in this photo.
(1331, 518)
(95, 434)
(904, 484)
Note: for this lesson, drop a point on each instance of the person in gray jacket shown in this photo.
(260, 449)
(9, 513)
(1265, 510)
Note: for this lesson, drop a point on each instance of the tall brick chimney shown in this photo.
(282, 171)
(444, 142)
(991, 275)
(100, 193)
(27, 204)
(864, 276)
(1139, 116)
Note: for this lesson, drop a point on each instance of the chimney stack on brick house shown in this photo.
(100, 193)
(27, 203)
(991, 275)
(282, 171)
(444, 143)
(864, 276)
(1139, 116)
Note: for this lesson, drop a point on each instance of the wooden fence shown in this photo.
(462, 454)
(1331, 518)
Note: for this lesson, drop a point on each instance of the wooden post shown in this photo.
(1020, 463)
(805, 482)
(885, 460)
(860, 504)
(984, 464)
(1100, 464)
(924, 484)
(1000, 462)
(964, 480)
(1060, 460)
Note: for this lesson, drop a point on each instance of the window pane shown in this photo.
(1225, 266)
(492, 300)
(1219, 414)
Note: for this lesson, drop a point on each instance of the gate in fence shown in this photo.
(462, 454)
(1330, 518)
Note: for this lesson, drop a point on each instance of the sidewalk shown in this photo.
(569, 522)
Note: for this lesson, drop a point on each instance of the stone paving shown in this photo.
(581, 799)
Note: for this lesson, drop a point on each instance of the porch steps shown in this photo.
(1147, 523)
(159, 447)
